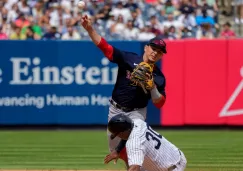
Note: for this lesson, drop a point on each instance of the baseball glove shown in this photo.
(142, 76)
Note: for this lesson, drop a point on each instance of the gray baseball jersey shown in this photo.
(148, 149)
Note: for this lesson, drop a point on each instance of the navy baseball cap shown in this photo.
(158, 42)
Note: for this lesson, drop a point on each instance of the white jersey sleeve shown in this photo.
(135, 146)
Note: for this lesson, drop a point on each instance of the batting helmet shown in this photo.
(119, 123)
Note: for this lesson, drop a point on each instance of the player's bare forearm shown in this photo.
(96, 38)
(100, 42)
(134, 168)
(87, 25)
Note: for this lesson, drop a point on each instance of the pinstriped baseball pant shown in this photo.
(181, 166)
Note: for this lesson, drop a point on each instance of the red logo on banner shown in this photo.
(228, 109)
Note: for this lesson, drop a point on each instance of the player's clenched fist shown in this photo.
(86, 22)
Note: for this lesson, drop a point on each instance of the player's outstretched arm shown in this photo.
(99, 41)
(87, 25)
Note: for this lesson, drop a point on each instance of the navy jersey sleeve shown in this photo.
(118, 55)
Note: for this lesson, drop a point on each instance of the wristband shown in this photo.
(120, 146)
(155, 94)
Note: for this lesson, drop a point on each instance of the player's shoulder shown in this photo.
(139, 125)
(125, 52)
(131, 54)
(138, 121)
(138, 131)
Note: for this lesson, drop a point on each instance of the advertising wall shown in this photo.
(69, 82)
(205, 83)
(57, 82)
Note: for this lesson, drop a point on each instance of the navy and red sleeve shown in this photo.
(112, 53)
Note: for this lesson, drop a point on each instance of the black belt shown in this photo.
(125, 109)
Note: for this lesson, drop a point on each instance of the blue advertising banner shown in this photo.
(57, 82)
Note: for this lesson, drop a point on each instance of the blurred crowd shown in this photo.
(113, 19)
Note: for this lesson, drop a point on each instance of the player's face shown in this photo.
(152, 54)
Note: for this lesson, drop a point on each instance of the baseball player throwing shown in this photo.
(145, 147)
(138, 80)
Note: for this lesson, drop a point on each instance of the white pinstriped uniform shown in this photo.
(146, 148)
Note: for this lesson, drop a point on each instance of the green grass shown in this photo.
(205, 150)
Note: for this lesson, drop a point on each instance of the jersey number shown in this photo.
(150, 134)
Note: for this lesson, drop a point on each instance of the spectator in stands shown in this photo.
(156, 26)
(44, 21)
(23, 7)
(172, 35)
(186, 7)
(30, 35)
(151, 9)
(55, 15)
(171, 21)
(104, 13)
(137, 20)
(13, 13)
(38, 10)
(120, 11)
(93, 7)
(16, 34)
(227, 32)
(3, 36)
(169, 8)
(71, 34)
(205, 31)
(37, 31)
(145, 33)
(186, 33)
(187, 17)
(239, 11)
(3, 15)
(22, 21)
(117, 29)
(6, 26)
(130, 32)
(204, 18)
(211, 7)
(226, 7)
(131, 5)
(9, 3)
(52, 34)
(70, 5)
(110, 22)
